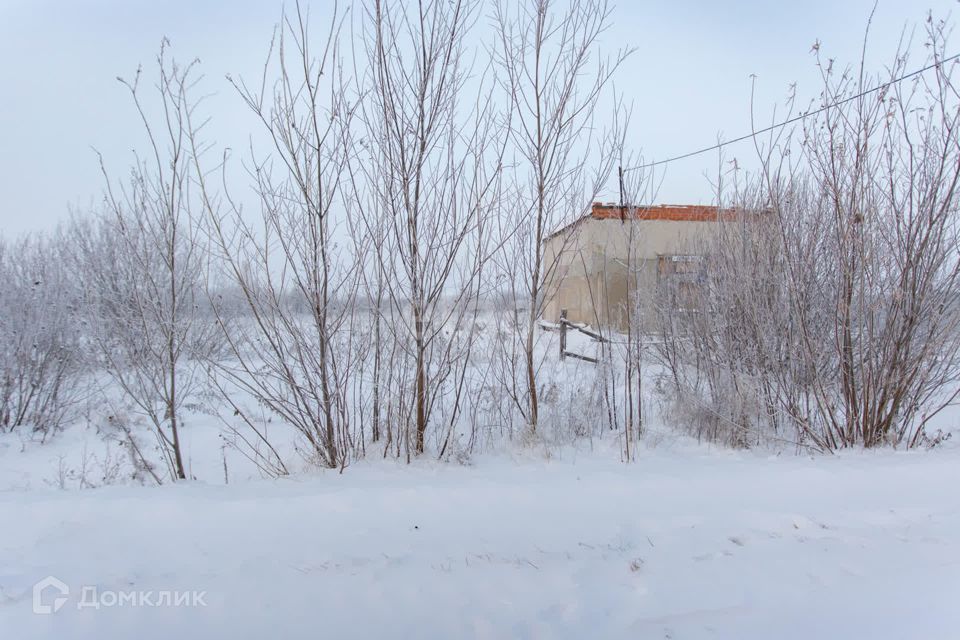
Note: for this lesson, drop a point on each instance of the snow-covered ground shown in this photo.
(688, 542)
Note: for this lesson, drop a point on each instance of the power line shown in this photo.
(807, 114)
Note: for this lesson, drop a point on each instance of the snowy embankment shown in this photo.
(695, 544)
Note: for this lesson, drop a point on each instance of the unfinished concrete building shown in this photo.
(613, 264)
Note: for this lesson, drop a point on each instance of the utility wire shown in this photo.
(807, 114)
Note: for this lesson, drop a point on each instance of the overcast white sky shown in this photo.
(689, 79)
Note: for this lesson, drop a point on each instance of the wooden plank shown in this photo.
(580, 357)
(595, 336)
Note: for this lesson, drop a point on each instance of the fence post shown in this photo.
(563, 333)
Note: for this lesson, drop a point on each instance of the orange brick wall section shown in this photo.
(672, 212)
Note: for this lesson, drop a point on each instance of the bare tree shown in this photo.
(40, 335)
(298, 352)
(553, 77)
(725, 342)
(431, 172)
(145, 266)
(633, 313)
(879, 250)
(830, 314)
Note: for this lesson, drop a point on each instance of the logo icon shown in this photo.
(47, 584)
